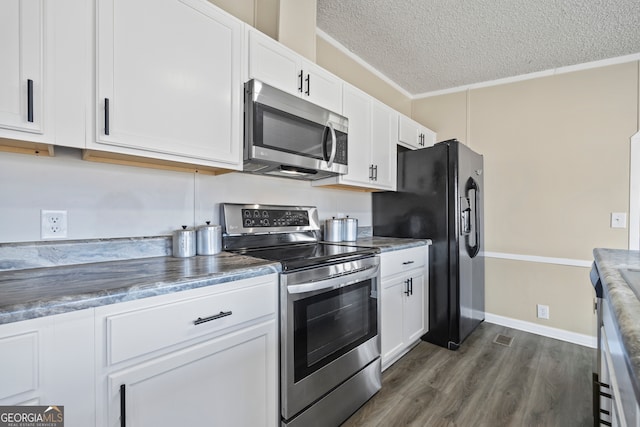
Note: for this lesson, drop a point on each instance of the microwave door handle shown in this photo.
(334, 147)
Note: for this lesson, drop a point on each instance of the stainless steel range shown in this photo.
(329, 306)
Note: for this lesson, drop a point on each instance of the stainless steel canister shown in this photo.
(333, 229)
(350, 229)
(184, 243)
(208, 239)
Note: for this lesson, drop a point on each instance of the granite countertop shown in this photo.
(388, 244)
(43, 278)
(38, 292)
(624, 303)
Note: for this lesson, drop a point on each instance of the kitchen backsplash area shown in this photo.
(108, 201)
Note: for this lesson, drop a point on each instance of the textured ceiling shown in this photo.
(430, 45)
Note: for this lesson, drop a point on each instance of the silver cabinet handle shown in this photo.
(220, 315)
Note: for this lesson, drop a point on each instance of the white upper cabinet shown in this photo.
(280, 67)
(45, 72)
(371, 152)
(169, 81)
(22, 70)
(412, 134)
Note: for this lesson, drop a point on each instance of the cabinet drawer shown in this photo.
(403, 260)
(142, 331)
(19, 367)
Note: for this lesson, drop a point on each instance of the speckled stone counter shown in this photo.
(624, 303)
(38, 292)
(388, 244)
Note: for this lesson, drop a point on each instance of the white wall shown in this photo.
(105, 201)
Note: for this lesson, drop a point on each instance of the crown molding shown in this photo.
(546, 73)
(333, 42)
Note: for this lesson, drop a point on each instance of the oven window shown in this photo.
(330, 324)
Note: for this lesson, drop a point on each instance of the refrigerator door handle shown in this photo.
(474, 249)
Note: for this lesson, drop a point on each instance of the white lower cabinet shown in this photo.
(224, 381)
(200, 357)
(404, 301)
(50, 361)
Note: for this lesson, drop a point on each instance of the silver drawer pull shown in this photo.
(407, 262)
(220, 315)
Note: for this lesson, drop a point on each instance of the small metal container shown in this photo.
(350, 229)
(333, 230)
(184, 243)
(208, 239)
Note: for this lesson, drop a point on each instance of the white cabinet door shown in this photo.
(383, 148)
(321, 87)
(371, 144)
(50, 361)
(412, 134)
(272, 63)
(357, 108)
(413, 309)
(21, 73)
(169, 79)
(278, 66)
(391, 319)
(221, 382)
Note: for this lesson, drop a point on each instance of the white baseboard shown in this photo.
(545, 331)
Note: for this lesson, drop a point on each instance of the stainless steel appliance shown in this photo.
(290, 137)
(440, 197)
(329, 308)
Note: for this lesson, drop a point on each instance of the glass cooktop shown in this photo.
(310, 254)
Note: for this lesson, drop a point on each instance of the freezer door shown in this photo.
(470, 247)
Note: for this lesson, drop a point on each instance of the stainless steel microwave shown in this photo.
(290, 137)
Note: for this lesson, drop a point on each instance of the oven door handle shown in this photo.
(335, 282)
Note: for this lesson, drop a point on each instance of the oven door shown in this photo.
(329, 329)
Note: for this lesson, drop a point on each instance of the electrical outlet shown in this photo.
(543, 311)
(53, 224)
(618, 220)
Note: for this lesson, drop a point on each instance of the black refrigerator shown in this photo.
(439, 197)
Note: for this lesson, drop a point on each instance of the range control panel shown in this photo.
(240, 219)
(274, 218)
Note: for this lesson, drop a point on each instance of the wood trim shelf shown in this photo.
(145, 162)
(26, 147)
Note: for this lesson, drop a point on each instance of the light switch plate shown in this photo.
(618, 220)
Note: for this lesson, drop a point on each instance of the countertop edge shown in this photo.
(625, 306)
(81, 301)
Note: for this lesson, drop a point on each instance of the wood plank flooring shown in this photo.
(537, 381)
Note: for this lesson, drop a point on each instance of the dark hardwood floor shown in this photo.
(537, 381)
